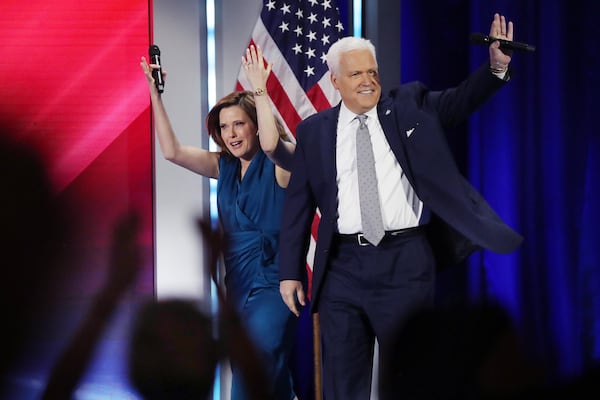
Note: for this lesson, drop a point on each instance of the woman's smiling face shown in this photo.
(238, 132)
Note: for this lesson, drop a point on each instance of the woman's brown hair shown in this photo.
(244, 100)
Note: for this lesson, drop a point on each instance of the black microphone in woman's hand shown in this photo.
(480, 38)
(154, 52)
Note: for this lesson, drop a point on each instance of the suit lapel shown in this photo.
(329, 153)
(391, 123)
(329, 131)
(326, 144)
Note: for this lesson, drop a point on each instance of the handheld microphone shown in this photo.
(480, 38)
(157, 73)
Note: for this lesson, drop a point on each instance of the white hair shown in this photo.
(344, 45)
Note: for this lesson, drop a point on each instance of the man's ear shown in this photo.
(333, 80)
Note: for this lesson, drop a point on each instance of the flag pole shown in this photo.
(317, 356)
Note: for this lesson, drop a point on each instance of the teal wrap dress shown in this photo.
(250, 213)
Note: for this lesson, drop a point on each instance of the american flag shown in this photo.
(295, 36)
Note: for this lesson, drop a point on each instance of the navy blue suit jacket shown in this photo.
(413, 119)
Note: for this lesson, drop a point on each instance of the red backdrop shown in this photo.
(71, 85)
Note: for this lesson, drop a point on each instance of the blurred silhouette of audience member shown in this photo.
(175, 348)
(124, 266)
(460, 353)
(30, 241)
(583, 387)
(234, 339)
(176, 344)
(35, 226)
(173, 351)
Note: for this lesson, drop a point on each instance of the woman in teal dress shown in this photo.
(252, 171)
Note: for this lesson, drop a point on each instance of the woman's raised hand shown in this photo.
(148, 68)
(254, 68)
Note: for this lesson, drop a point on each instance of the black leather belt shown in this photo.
(359, 239)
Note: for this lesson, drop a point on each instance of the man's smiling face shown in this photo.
(358, 81)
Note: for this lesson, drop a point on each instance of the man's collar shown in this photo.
(346, 116)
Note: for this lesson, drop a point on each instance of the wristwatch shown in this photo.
(260, 92)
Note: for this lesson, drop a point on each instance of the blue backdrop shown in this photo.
(534, 152)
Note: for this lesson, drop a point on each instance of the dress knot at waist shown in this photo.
(267, 242)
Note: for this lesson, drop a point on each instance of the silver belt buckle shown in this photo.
(361, 240)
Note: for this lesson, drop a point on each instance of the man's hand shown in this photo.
(499, 59)
(290, 292)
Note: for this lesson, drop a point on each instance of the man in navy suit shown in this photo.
(363, 289)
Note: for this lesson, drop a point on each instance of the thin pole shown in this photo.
(317, 356)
